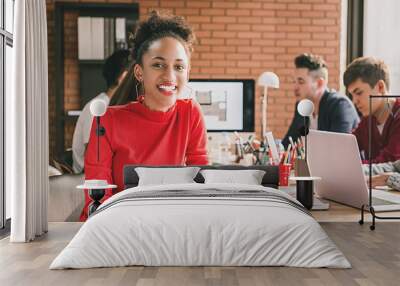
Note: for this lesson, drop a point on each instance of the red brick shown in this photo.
(312, 28)
(299, 36)
(212, 70)
(321, 50)
(263, 42)
(224, 34)
(274, 6)
(312, 43)
(224, 49)
(299, 21)
(274, 50)
(224, 4)
(288, 28)
(287, 43)
(324, 7)
(238, 27)
(263, 28)
(237, 56)
(260, 57)
(224, 19)
(212, 41)
(212, 12)
(249, 5)
(243, 49)
(287, 13)
(213, 56)
(198, 19)
(263, 13)
(238, 12)
(187, 11)
(224, 63)
(249, 20)
(202, 48)
(324, 22)
(250, 35)
(238, 71)
(248, 64)
(238, 42)
(171, 4)
(297, 7)
(278, 21)
(324, 36)
(274, 35)
(203, 34)
(213, 27)
(195, 4)
(201, 63)
(313, 14)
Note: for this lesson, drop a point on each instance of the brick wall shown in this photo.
(236, 39)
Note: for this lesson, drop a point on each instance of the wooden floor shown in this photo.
(374, 255)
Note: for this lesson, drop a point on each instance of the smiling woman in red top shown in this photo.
(159, 129)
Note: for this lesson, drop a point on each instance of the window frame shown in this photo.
(6, 39)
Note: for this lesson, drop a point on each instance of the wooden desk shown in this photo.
(341, 213)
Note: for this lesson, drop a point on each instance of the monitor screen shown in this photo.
(227, 105)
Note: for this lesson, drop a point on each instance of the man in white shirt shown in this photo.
(114, 71)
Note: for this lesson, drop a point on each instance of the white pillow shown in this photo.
(165, 176)
(249, 177)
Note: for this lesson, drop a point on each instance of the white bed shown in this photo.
(221, 225)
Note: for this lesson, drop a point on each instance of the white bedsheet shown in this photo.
(200, 231)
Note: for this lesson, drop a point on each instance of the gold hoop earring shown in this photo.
(138, 88)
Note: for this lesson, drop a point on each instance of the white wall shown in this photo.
(382, 36)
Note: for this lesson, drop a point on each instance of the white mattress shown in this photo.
(185, 230)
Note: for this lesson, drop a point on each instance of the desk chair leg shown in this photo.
(361, 221)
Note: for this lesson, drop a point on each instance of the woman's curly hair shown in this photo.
(158, 26)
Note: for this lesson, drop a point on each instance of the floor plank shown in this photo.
(375, 257)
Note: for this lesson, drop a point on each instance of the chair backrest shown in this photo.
(270, 179)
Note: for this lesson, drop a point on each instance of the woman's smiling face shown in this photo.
(164, 73)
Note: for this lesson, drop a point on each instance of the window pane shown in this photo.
(9, 65)
(1, 15)
(2, 203)
(9, 9)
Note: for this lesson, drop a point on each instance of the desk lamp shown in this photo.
(96, 188)
(266, 79)
(97, 108)
(305, 109)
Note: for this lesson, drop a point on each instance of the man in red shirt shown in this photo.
(158, 129)
(369, 76)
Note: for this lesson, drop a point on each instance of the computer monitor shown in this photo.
(227, 104)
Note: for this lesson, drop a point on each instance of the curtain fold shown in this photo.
(27, 123)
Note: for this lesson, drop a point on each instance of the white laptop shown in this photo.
(336, 159)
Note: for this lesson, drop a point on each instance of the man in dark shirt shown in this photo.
(369, 76)
(332, 111)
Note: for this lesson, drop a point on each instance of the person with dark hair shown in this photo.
(332, 111)
(367, 76)
(157, 129)
(114, 71)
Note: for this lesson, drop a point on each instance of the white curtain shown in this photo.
(27, 123)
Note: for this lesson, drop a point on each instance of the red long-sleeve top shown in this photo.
(135, 134)
(385, 146)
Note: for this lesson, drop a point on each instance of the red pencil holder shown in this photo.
(284, 172)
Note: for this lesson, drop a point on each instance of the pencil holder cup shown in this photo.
(284, 172)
